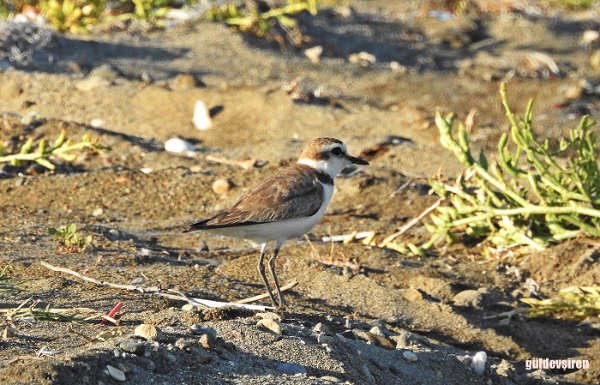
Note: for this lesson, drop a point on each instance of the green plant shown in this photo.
(69, 239)
(581, 303)
(534, 194)
(48, 313)
(7, 284)
(75, 16)
(251, 20)
(61, 148)
(575, 4)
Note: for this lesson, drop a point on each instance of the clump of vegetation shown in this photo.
(7, 284)
(535, 193)
(79, 16)
(253, 21)
(75, 16)
(61, 148)
(69, 240)
(581, 303)
(55, 314)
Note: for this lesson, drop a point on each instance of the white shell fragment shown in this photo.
(202, 119)
(410, 356)
(362, 58)
(96, 123)
(314, 54)
(180, 146)
(115, 373)
(590, 36)
(478, 363)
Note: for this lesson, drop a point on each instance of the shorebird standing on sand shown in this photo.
(285, 206)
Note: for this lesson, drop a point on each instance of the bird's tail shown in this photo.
(197, 226)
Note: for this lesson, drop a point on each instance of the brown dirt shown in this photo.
(138, 234)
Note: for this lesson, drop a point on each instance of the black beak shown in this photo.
(357, 160)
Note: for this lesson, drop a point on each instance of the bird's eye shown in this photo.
(337, 151)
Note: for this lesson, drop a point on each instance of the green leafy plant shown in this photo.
(251, 20)
(75, 16)
(581, 303)
(535, 193)
(70, 240)
(62, 148)
(78, 16)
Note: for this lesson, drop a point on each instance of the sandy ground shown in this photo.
(126, 89)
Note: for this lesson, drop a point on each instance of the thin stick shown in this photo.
(412, 222)
(151, 289)
(245, 164)
(265, 295)
(83, 310)
(312, 246)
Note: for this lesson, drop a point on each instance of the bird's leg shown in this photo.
(282, 303)
(261, 270)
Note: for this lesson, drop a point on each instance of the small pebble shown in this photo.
(132, 347)
(236, 334)
(325, 339)
(180, 146)
(413, 295)
(378, 331)
(144, 363)
(314, 54)
(115, 373)
(397, 67)
(349, 324)
(183, 344)
(468, 298)
(269, 315)
(207, 341)
(171, 358)
(201, 118)
(272, 324)
(362, 58)
(105, 71)
(184, 82)
(90, 83)
(149, 332)
(478, 362)
(112, 235)
(30, 118)
(199, 329)
(205, 359)
(222, 186)
(290, 368)
(410, 356)
(98, 212)
(590, 36)
(321, 328)
(20, 182)
(96, 123)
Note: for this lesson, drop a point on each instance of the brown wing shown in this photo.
(292, 193)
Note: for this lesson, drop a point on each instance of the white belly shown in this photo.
(279, 231)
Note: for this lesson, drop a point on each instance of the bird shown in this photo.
(284, 206)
